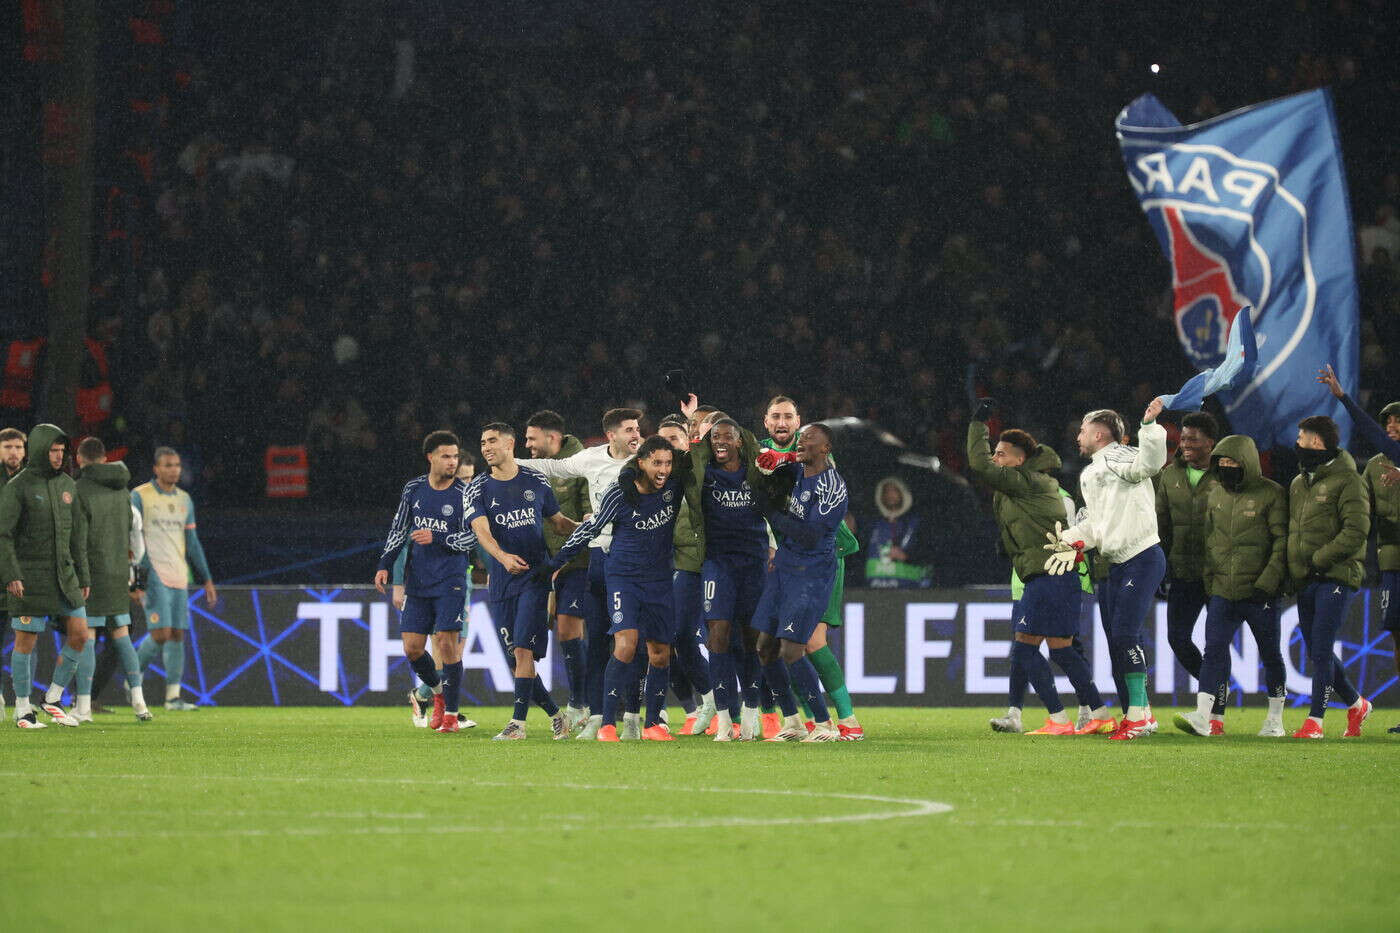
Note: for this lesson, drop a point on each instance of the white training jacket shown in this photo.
(594, 464)
(1120, 503)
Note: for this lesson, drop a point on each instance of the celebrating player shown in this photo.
(172, 552)
(106, 506)
(599, 466)
(1028, 505)
(508, 507)
(431, 521)
(1245, 561)
(641, 507)
(1328, 522)
(1120, 520)
(44, 566)
(804, 572)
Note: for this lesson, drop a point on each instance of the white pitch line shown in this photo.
(910, 807)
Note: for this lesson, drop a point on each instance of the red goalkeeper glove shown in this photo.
(769, 460)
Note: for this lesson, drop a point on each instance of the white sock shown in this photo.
(629, 718)
(172, 693)
(1359, 704)
(138, 700)
(1204, 701)
(1217, 717)
(850, 721)
(1275, 707)
(792, 722)
(1013, 712)
(1316, 719)
(1101, 713)
(84, 705)
(707, 701)
(1061, 718)
(22, 707)
(54, 693)
(1085, 711)
(1137, 713)
(723, 720)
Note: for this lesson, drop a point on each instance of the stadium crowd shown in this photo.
(341, 217)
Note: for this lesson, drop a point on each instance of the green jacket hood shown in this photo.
(111, 475)
(906, 498)
(1241, 449)
(1044, 460)
(569, 446)
(41, 439)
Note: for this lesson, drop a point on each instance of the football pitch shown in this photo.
(309, 819)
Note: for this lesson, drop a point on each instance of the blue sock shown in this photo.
(808, 687)
(147, 652)
(572, 650)
(451, 685)
(598, 654)
(542, 698)
(426, 669)
(749, 677)
(67, 666)
(697, 671)
(22, 674)
(172, 656)
(1039, 675)
(1016, 684)
(87, 663)
(636, 673)
(126, 651)
(777, 674)
(524, 686)
(722, 681)
(657, 678)
(1080, 677)
(680, 686)
(614, 683)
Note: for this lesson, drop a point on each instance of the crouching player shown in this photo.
(1028, 506)
(1246, 543)
(805, 569)
(641, 507)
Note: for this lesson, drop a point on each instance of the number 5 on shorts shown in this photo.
(617, 602)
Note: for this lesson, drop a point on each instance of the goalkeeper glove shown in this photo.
(769, 460)
(1063, 555)
(985, 407)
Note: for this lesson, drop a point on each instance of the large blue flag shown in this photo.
(1251, 209)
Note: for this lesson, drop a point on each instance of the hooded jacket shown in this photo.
(1385, 504)
(106, 506)
(1245, 533)
(1181, 516)
(1026, 500)
(897, 529)
(1328, 522)
(572, 494)
(43, 533)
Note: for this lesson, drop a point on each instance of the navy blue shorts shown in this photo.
(1050, 606)
(1390, 601)
(571, 593)
(793, 602)
(732, 587)
(685, 597)
(644, 605)
(522, 620)
(423, 615)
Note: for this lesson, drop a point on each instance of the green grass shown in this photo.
(260, 819)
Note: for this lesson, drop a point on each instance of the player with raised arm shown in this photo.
(546, 440)
(43, 565)
(508, 506)
(641, 507)
(431, 522)
(106, 506)
(803, 576)
(687, 588)
(173, 552)
(1028, 505)
(599, 466)
(1120, 520)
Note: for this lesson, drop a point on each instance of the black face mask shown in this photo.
(1310, 459)
(1232, 478)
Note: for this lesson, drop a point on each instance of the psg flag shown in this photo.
(1251, 210)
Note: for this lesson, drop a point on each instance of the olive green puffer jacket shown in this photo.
(43, 533)
(106, 505)
(1181, 516)
(1026, 500)
(1246, 532)
(1328, 521)
(1385, 504)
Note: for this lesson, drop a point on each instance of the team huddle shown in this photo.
(76, 553)
(1213, 532)
(636, 552)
